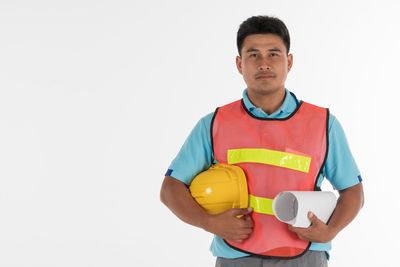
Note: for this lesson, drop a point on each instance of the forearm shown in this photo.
(176, 196)
(349, 204)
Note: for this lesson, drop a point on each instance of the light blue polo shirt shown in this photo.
(196, 156)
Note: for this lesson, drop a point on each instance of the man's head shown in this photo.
(264, 59)
(262, 25)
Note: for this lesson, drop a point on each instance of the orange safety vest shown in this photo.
(276, 155)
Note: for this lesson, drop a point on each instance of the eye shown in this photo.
(253, 55)
(273, 54)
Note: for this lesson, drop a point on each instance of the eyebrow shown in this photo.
(269, 50)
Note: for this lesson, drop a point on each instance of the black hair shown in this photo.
(262, 25)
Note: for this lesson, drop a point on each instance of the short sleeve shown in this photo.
(195, 155)
(340, 167)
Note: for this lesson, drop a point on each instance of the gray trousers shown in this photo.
(309, 259)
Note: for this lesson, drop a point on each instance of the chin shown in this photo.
(266, 90)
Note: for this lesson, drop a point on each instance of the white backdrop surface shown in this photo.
(97, 97)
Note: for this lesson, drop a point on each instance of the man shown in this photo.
(267, 108)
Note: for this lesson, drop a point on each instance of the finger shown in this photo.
(243, 237)
(301, 237)
(245, 211)
(295, 229)
(249, 220)
(313, 218)
(236, 240)
(247, 224)
(249, 231)
(245, 231)
(240, 237)
(299, 230)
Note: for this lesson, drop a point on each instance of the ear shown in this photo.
(239, 64)
(290, 61)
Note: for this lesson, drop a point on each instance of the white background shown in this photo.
(97, 97)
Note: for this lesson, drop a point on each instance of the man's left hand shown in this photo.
(317, 232)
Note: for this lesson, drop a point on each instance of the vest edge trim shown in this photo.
(269, 257)
(316, 187)
(212, 133)
(271, 119)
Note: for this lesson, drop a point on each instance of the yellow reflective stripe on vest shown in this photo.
(271, 157)
(261, 204)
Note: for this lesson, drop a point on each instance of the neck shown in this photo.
(268, 102)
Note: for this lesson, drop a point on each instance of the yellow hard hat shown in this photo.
(220, 188)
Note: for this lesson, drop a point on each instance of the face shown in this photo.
(264, 63)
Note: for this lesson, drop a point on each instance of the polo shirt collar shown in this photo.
(288, 106)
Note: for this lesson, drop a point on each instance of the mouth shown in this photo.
(264, 76)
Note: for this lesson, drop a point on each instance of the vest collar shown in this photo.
(288, 106)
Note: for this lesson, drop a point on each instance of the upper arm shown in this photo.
(195, 155)
(340, 168)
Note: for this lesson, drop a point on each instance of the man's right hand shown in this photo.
(176, 196)
(228, 226)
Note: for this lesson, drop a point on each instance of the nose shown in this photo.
(264, 65)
